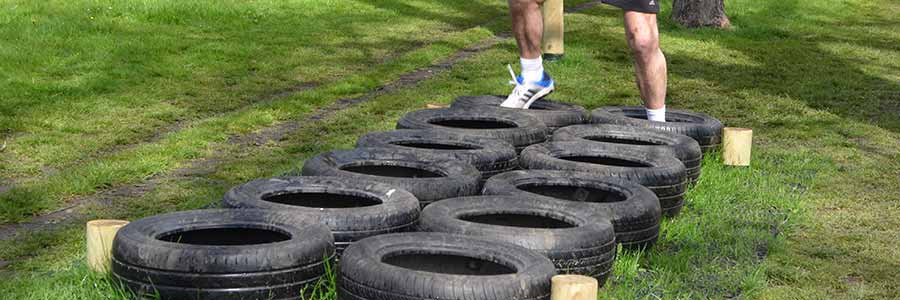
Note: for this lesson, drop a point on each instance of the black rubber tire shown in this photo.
(144, 290)
(587, 246)
(218, 281)
(489, 155)
(366, 275)
(683, 147)
(703, 128)
(379, 209)
(455, 178)
(633, 209)
(518, 129)
(664, 174)
(276, 266)
(553, 114)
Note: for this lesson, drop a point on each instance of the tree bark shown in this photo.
(700, 13)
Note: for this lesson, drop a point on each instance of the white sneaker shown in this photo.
(525, 93)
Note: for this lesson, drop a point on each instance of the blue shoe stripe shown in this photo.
(546, 81)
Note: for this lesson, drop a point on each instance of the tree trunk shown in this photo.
(700, 13)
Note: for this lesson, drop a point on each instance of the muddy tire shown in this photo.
(655, 168)
(553, 114)
(683, 147)
(489, 155)
(577, 240)
(514, 127)
(633, 209)
(221, 254)
(353, 209)
(703, 128)
(412, 266)
(426, 176)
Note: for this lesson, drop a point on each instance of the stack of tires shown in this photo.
(502, 200)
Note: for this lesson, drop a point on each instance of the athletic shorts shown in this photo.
(644, 6)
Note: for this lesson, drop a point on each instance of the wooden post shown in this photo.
(573, 287)
(737, 143)
(100, 235)
(553, 30)
(432, 105)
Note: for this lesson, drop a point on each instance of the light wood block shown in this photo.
(554, 27)
(100, 235)
(737, 143)
(573, 287)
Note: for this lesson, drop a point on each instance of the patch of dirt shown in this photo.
(6, 186)
(853, 279)
(73, 211)
(762, 250)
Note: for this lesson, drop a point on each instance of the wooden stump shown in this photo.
(553, 30)
(573, 287)
(736, 146)
(100, 235)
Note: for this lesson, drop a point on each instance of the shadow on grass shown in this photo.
(793, 61)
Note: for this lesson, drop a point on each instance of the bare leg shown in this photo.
(527, 26)
(649, 61)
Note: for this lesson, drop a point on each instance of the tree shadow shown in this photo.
(795, 61)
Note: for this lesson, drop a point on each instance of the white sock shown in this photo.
(532, 69)
(658, 115)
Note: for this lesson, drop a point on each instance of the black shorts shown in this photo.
(644, 6)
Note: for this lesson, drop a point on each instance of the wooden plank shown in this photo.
(553, 46)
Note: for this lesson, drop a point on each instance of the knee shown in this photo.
(643, 43)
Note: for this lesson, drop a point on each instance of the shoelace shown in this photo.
(520, 89)
(512, 73)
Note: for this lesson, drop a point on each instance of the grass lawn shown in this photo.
(98, 94)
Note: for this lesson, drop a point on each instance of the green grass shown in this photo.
(815, 217)
(87, 82)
